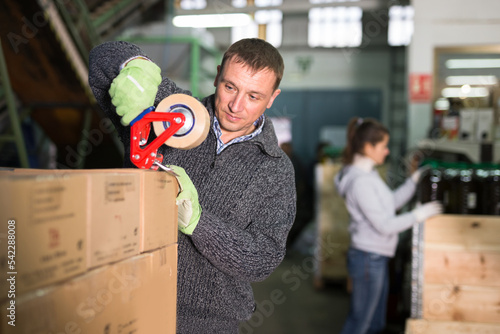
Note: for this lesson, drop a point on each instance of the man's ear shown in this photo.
(217, 76)
(275, 94)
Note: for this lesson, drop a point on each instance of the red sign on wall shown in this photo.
(420, 87)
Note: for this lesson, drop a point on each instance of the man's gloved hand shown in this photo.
(189, 209)
(135, 88)
(427, 210)
(415, 176)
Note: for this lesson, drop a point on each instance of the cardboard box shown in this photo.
(136, 295)
(157, 215)
(467, 125)
(450, 125)
(158, 209)
(114, 225)
(42, 230)
(485, 121)
(113, 204)
(156, 218)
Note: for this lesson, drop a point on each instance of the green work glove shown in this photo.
(189, 209)
(135, 88)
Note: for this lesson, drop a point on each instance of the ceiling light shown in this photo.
(459, 80)
(212, 20)
(466, 89)
(459, 92)
(473, 63)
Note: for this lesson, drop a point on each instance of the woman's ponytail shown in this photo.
(359, 132)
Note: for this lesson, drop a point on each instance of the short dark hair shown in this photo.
(359, 132)
(258, 55)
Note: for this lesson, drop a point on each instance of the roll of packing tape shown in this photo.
(196, 126)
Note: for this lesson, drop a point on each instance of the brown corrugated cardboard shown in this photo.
(113, 231)
(136, 295)
(114, 225)
(157, 208)
(42, 230)
(159, 211)
(156, 204)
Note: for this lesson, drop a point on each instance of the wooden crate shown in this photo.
(332, 226)
(463, 232)
(424, 326)
(462, 269)
(461, 275)
(332, 219)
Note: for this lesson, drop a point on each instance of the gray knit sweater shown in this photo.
(247, 195)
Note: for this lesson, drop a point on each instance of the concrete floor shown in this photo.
(288, 302)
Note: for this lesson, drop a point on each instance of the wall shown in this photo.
(336, 71)
(349, 76)
(338, 76)
(365, 67)
(337, 68)
(331, 91)
(446, 23)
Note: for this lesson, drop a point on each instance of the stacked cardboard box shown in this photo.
(332, 226)
(333, 238)
(136, 295)
(88, 251)
(43, 229)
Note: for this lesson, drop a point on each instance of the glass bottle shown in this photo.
(491, 191)
(452, 180)
(430, 187)
(467, 191)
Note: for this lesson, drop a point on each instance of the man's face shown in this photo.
(241, 97)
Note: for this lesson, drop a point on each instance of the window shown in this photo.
(272, 19)
(329, 1)
(335, 27)
(400, 25)
(193, 4)
(239, 3)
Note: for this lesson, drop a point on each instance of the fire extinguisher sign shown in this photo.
(420, 87)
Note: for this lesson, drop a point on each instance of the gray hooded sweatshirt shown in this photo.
(372, 206)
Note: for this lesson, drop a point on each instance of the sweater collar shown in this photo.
(266, 140)
(362, 162)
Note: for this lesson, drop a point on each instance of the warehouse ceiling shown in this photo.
(290, 6)
(46, 46)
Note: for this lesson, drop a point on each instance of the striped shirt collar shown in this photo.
(259, 123)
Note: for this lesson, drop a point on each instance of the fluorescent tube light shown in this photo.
(473, 63)
(212, 20)
(465, 92)
(473, 80)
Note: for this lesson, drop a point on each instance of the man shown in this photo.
(239, 185)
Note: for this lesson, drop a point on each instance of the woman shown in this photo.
(374, 225)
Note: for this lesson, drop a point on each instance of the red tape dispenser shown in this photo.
(179, 121)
